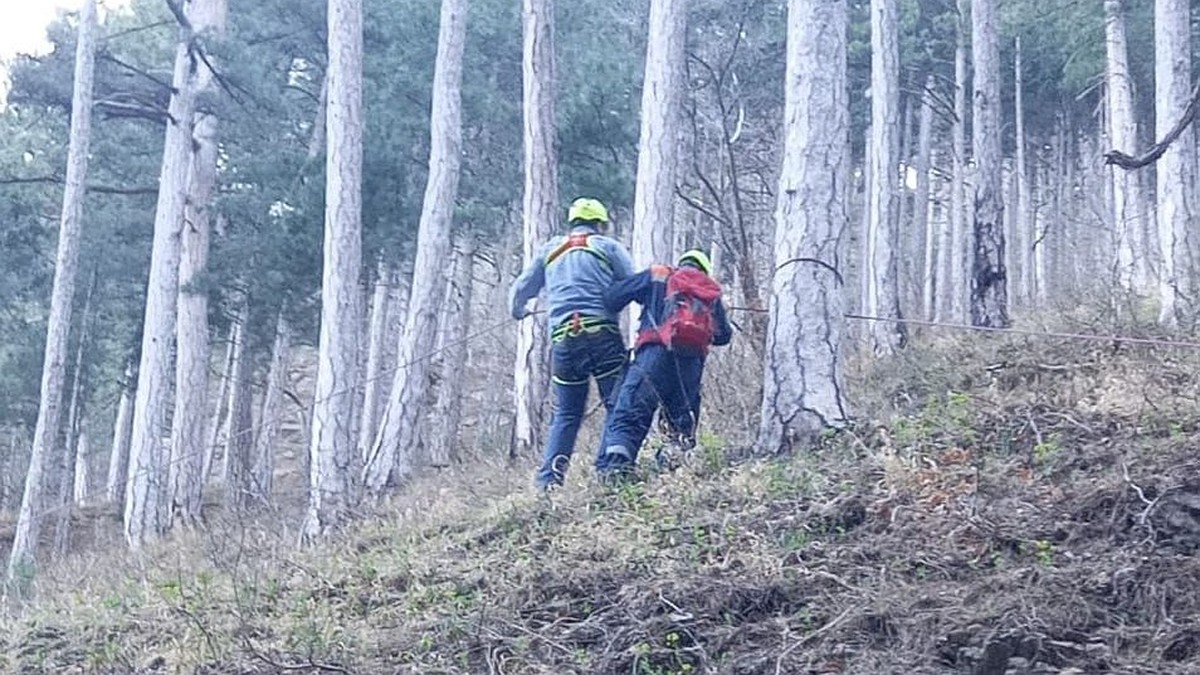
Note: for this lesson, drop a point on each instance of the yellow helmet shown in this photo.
(586, 209)
(699, 259)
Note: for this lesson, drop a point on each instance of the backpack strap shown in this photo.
(577, 242)
(660, 272)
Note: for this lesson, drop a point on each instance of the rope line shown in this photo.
(390, 372)
(1160, 342)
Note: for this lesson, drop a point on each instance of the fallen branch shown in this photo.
(1158, 149)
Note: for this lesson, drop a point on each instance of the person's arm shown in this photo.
(622, 263)
(630, 289)
(723, 331)
(528, 285)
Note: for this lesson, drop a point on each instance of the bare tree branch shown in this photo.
(107, 56)
(136, 29)
(119, 109)
(1150, 156)
(176, 7)
(99, 189)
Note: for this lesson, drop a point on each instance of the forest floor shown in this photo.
(1007, 505)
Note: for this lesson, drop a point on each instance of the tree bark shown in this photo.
(447, 410)
(118, 461)
(192, 348)
(218, 429)
(240, 441)
(1176, 170)
(83, 450)
(69, 459)
(956, 289)
(921, 219)
(658, 143)
(373, 375)
(802, 388)
(883, 233)
(1122, 132)
(1022, 223)
(263, 471)
(146, 515)
(989, 293)
(539, 208)
(24, 549)
(392, 458)
(332, 456)
(7, 472)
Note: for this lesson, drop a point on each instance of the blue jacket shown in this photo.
(649, 289)
(575, 278)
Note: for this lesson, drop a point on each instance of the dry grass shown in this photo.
(1006, 506)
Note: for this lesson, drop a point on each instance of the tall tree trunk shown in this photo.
(146, 489)
(332, 465)
(1122, 130)
(883, 234)
(956, 289)
(921, 219)
(118, 461)
(1176, 169)
(192, 349)
(392, 457)
(802, 388)
(865, 239)
(8, 472)
(658, 144)
(1022, 223)
(539, 208)
(240, 442)
(447, 410)
(83, 473)
(218, 429)
(69, 459)
(373, 376)
(1008, 197)
(24, 549)
(989, 295)
(263, 470)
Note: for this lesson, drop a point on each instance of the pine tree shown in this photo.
(802, 389)
(332, 465)
(24, 548)
(989, 299)
(540, 214)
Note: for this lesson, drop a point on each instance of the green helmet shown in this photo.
(699, 259)
(588, 210)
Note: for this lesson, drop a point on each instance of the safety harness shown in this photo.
(579, 324)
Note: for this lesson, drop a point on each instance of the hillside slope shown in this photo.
(1011, 508)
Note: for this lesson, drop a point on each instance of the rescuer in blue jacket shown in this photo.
(575, 270)
(662, 374)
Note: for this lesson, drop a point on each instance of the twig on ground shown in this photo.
(311, 664)
(830, 625)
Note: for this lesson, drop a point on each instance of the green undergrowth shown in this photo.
(1005, 508)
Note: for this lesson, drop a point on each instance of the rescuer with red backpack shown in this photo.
(682, 316)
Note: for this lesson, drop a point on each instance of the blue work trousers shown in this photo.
(576, 360)
(657, 377)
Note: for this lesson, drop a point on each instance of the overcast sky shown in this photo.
(23, 27)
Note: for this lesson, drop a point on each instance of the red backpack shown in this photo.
(688, 320)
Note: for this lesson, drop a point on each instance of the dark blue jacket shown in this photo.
(649, 289)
